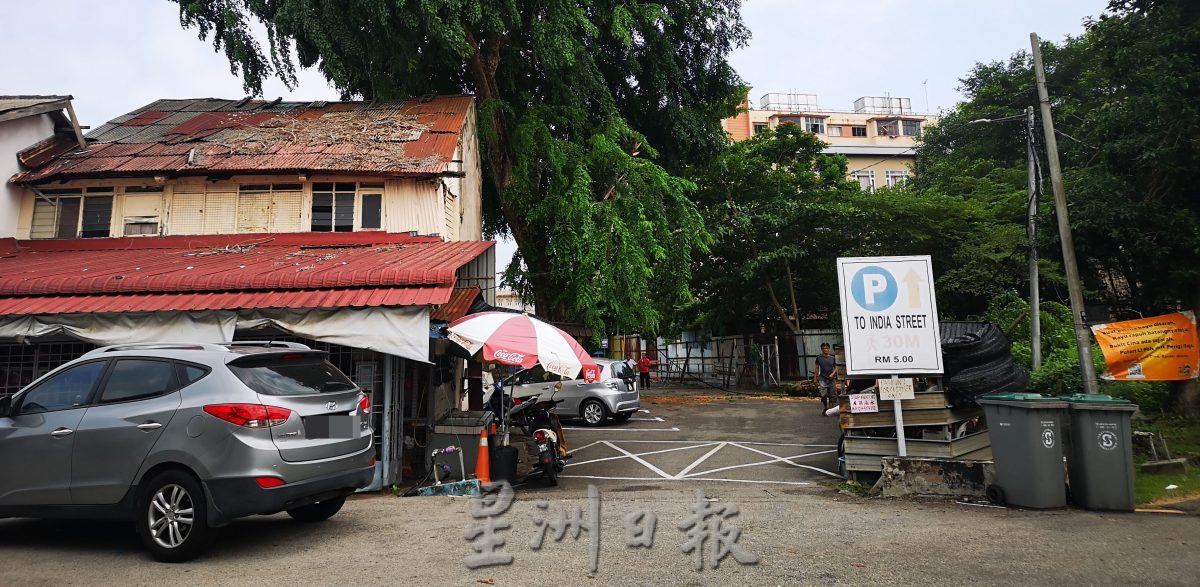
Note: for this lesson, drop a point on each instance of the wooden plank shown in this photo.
(919, 448)
(864, 463)
(911, 418)
(34, 110)
(983, 454)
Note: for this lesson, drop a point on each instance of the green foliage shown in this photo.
(1127, 109)
(1060, 373)
(1151, 397)
(589, 111)
(774, 205)
(781, 212)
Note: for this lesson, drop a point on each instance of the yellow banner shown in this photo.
(1162, 348)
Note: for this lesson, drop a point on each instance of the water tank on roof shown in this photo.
(883, 105)
(788, 102)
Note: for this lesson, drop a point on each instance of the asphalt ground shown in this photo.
(706, 440)
(800, 534)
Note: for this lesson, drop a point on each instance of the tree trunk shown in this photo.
(1185, 395)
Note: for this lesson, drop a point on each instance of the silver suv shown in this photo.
(183, 438)
(614, 395)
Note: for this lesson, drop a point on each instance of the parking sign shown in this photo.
(889, 315)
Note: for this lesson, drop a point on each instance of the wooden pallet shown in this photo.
(941, 449)
(881, 419)
(874, 463)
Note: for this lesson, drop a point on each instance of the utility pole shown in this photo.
(1074, 287)
(1035, 310)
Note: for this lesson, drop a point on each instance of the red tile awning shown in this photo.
(229, 272)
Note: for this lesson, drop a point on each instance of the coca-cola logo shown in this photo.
(509, 357)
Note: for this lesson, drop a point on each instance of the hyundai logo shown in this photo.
(331, 406)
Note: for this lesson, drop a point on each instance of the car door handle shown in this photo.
(61, 432)
(148, 426)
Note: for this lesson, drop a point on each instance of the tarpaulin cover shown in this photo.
(402, 331)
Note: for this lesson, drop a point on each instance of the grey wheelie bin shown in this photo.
(1026, 434)
(1100, 454)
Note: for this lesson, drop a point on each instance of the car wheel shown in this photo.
(172, 518)
(622, 417)
(317, 512)
(593, 412)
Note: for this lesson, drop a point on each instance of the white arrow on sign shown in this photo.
(913, 282)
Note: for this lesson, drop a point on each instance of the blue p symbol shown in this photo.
(874, 288)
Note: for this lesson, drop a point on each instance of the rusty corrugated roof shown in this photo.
(198, 137)
(458, 305)
(310, 270)
(247, 300)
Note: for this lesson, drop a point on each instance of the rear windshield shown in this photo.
(292, 376)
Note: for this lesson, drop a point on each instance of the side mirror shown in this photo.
(5, 405)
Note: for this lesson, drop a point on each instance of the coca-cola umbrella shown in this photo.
(519, 340)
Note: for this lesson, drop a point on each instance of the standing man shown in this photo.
(644, 371)
(826, 376)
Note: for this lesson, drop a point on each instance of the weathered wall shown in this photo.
(17, 135)
(196, 206)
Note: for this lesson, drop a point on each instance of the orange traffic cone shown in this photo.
(483, 468)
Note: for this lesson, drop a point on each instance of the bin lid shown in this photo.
(1029, 401)
(1018, 397)
(1099, 401)
(1094, 398)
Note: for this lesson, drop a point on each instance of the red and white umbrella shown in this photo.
(517, 339)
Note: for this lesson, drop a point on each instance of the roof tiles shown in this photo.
(158, 137)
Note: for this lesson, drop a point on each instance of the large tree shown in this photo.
(1126, 99)
(589, 109)
(773, 204)
(781, 212)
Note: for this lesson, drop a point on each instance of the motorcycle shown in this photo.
(534, 417)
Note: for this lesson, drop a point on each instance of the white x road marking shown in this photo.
(686, 473)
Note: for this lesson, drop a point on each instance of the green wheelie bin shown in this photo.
(1026, 431)
(1100, 453)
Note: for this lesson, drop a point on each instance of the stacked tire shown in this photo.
(979, 361)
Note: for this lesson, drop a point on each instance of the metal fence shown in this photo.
(729, 361)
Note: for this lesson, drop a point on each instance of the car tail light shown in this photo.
(268, 482)
(517, 400)
(250, 415)
(364, 404)
(539, 436)
(372, 462)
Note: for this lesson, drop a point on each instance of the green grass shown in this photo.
(1183, 439)
(1151, 489)
(1182, 435)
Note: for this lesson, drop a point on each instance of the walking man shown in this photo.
(826, 376)
(644, 371)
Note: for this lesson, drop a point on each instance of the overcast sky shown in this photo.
(117, 55)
